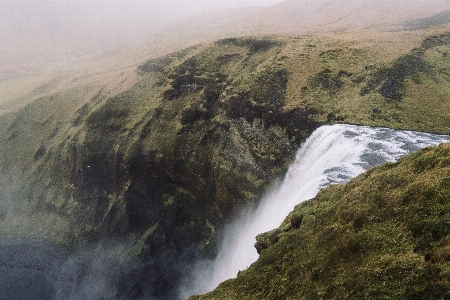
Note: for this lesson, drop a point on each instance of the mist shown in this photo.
(331, 155)
(34, 33)
(40, 31)
(34, 269)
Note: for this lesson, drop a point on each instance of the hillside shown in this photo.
(165, 153)
(311, 17)
(340, 15)
(158, 154)
(384, 235)
(48, 44)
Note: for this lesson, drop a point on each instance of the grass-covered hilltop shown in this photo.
(384, 235)
(162, 154)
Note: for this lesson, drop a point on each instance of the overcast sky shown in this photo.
(217, 3)
(62, 27)
(208, 4)
(181, 8)
(173, 9)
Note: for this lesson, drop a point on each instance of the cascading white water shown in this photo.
(332, 154)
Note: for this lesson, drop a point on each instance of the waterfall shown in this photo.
(332, 154)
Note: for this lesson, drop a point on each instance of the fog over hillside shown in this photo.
(48, 30)
(323, 16)
(41, 31)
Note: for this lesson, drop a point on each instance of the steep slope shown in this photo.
(164, 161)
(163, 156)
(384, 235)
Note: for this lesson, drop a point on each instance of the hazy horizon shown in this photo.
(35, 33)
(51, 30)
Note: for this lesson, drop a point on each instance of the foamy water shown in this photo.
(332, 154)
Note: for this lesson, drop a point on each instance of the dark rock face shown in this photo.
(171, 168)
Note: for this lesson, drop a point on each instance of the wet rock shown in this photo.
(267, 239)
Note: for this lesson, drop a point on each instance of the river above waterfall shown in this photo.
(332, 154)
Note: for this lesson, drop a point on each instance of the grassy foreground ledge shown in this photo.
(384, 235)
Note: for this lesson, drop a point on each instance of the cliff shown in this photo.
(384, 235)
(166, 153)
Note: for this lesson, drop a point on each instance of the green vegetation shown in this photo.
(346, 86)
(164, 154)
(384, 235)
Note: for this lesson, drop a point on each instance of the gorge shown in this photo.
(131, 173)
(331, 155)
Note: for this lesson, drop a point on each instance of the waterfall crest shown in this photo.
(332, 154)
